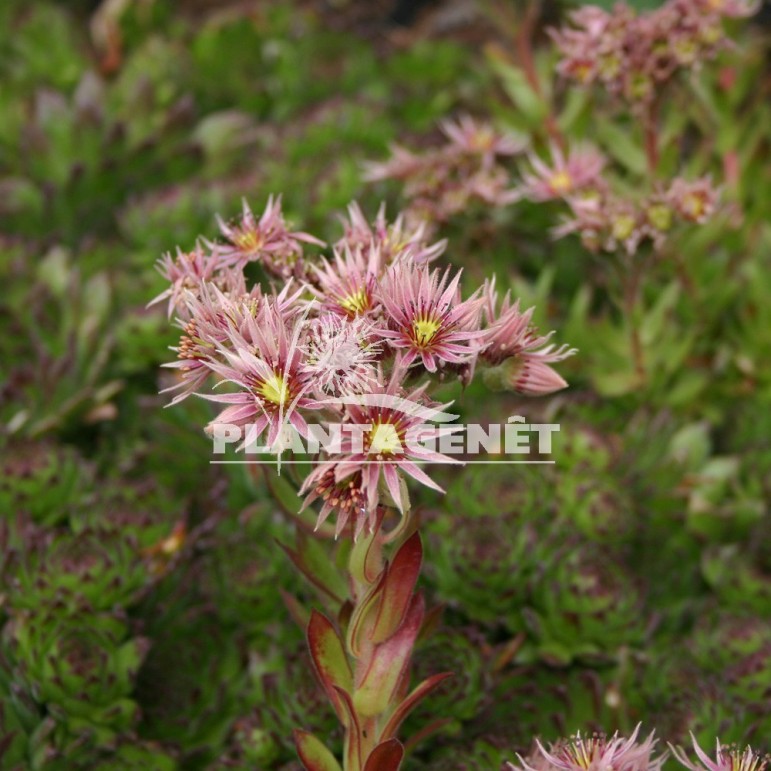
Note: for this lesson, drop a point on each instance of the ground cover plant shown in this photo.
(608, 166)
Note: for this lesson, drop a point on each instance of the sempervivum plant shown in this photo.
(99, 569)
(42, 481)
(348, 347)
(79, 670)
(584, 605)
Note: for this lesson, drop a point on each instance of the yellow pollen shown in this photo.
(561, 182)
(355, 303)
(694, 205)
(384, 439)
(274, 389)
(248, 240)
(424, 330)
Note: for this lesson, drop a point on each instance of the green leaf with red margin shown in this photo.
(363, 618)
(300, 615)
(418, 694)
(313, 754)
(329, 659)
(350, 719)
(389, 664)
(364, 563)
(401, 577)
(387, 756)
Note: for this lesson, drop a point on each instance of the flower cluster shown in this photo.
(343, 340)
(595, 753)
(444, 181)
(633, 55)
(606, 221)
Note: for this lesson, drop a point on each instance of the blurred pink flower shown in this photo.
(185, 272)
(469, 136)
(391, 241)
(266, 240)
(694, 201)
(511, 337)
(582, 168)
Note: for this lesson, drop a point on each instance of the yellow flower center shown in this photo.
(694, 205)
(355, 303)
(424, 330)
(660, 216)
(384, 439)
(274, 389)
(561, 182)
(249, 241)
(623, 227)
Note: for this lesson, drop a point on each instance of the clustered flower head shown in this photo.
(606, 221)
(595, 752)
(632, 55)
(727, 758)
(344, 340)
(446, 180)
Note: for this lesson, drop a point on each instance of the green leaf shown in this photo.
(329, 657)
(313, 754)
(389, 664)
(619, 141)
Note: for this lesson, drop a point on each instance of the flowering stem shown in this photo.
(631, 284)
(364, 667)
(651, 138)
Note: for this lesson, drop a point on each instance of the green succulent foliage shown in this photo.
(584, 605)
(59, 348)
(80, 669)
(97, 569)
(42, 481)
(482, 563)
(461, 698)
(190, 694)
(739, 578)
(279, 697)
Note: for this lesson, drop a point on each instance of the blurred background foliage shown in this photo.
(143, 624)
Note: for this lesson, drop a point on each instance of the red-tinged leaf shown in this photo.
(363, 618)
(300, 615)
(313, 754)
(387, 756)
(329, 658)
(364, 563)
(418, 694)
(307, 571)
(425, 732)
(389, 664)
(431, 622)
(352, 749)
(401, 577)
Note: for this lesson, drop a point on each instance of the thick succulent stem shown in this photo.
(364, 666)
